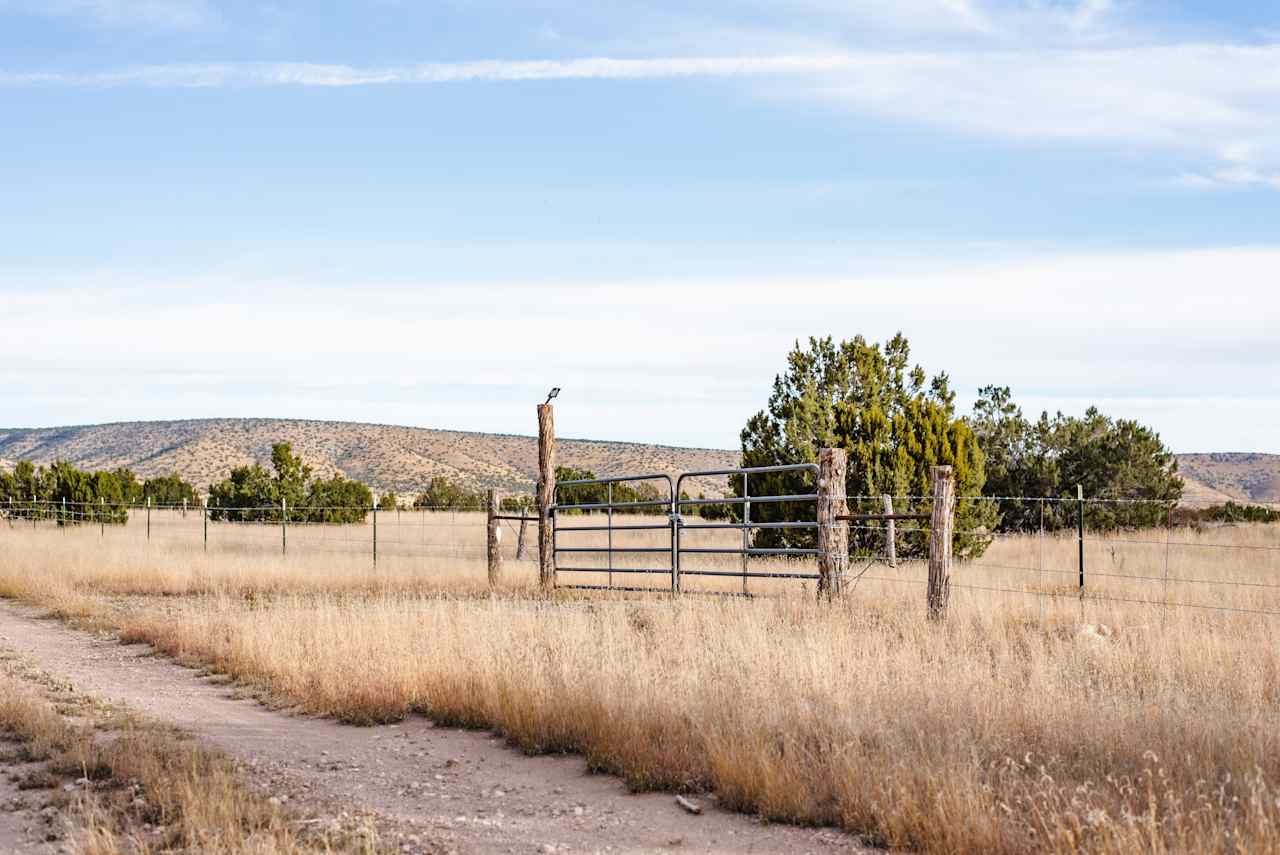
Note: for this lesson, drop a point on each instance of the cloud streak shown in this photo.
(1209, 100)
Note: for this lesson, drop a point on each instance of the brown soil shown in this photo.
(443, 789)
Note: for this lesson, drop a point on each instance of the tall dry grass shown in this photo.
(1008, 728)
(142, 776)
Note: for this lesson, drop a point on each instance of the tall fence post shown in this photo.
(148, 519)
(204, 519)
(284, 527)
(890, 533)
(546, 495)
(524, 526)
(375, 532)
(833, 535)
(102, 517)
(493, 545)
(1080, 530)
(941, 527)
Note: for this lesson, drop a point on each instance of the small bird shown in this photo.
(555, 391)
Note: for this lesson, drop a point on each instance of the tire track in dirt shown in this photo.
(443, 788)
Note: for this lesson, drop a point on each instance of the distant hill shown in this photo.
(386, 457)
(1242, 476)
(405, 459)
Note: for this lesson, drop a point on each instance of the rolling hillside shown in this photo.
(1240, 476)
(405, 459)
(386, 457)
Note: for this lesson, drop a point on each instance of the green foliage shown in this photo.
(445, 495)
(253, 494)
(62, 493)
(335, 500)
(895, 426)
(1128, 476)
(622, 492)
(388, 502)
(521, 504)
(169, 490)
(1228, 513)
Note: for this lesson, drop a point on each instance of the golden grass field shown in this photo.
(1031, 720)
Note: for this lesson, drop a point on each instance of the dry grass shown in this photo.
(144, 789)
(1010, 728)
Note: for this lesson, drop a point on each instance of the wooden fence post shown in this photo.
(494, 543)
(524, 526)
(546, 495)
(944, 503)
(833, 535)
(890, 533)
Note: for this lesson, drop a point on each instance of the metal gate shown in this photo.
(618, 552)
(676, 543)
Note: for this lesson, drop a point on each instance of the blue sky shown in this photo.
(427, 213)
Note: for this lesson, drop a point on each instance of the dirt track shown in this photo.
(452, 790)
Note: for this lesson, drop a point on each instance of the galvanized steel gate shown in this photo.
(669, 554)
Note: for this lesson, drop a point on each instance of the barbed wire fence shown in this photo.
(404, 535)
(1083, 549)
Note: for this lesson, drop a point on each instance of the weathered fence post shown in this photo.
(833, 535)
(494, 543)
(1080, 530)
(546, 495)
(941, 524)
(890, 533)
(524, 525)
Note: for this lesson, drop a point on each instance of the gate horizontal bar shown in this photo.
(662, 550)
(614, 479)
(738, 574)
(689, 526)
(604, 529)
(601, 506)
(624, 590)
(664, 570)
(713, 550)
(800, 497)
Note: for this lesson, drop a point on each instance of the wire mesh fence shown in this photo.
(1086, 553)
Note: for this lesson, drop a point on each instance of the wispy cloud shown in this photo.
(1204, 99)
(156, 14)
(271, 74)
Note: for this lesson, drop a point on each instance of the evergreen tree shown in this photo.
(895, 426)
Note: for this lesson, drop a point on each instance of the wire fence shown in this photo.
(422, 534)
(1064, 550)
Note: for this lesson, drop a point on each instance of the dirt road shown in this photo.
(442, 788)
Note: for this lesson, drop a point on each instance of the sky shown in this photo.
(430, 213)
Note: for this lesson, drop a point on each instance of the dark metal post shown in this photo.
(609, 487)
(675, 540)
(284, 527)
(148, 519)
(204, 513)
(102, 517)
(375, 533)
(1080, 530)
(746, 530)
